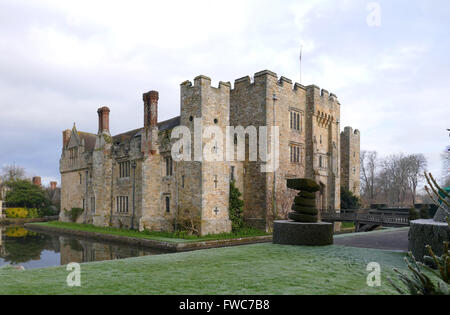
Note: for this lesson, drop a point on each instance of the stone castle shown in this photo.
(130, 180)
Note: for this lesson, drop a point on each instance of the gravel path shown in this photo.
(392, 239)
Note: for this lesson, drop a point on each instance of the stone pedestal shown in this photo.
(427, 232)
(304, 234)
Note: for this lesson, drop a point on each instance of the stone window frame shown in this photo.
(167, 202)
(122, 204)
(124, 169)
(73, 156)
(322, 161)
(93, 204)
(168, 166)
(296, 151)
(296, 117)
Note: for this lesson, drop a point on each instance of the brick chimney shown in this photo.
(66, 137)
(151, 109)
(103, 119)
(37, 181)
(53, 185)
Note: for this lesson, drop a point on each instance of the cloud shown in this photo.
(61, 60)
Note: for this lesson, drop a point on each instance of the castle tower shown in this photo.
(350, 160)
(205, 110)
(323, 145)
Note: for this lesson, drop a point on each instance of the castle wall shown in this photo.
(72, 193)
(289, 100)
(212, 105)
(248, 103)
(73, 166)
(350, 151)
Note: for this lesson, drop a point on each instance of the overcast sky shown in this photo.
(61, 60)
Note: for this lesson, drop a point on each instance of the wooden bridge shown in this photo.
(367, 220)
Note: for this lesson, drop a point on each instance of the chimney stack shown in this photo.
(103, 119)
(53, 185)
(151, 109)
(37, 181)
(66, 137)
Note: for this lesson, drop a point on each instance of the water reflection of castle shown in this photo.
(18, 247)
(85, 251)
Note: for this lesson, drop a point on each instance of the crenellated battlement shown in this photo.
(285, 83)
(349, 132)
(203, 81)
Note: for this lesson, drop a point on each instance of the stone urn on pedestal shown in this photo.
(433, 232)
(303, 227)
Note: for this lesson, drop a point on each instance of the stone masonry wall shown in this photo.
(350, 151)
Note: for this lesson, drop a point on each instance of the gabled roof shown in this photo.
(89, 140)
(169, 124)
(126, 135)
(165, 125)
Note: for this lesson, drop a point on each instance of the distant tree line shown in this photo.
(17, 190)
(394, 180)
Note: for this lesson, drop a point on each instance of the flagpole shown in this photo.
(301, 49)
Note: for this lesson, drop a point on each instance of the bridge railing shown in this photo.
(386, 217)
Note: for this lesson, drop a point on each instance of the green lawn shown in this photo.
(158, 236)
(250, 269)
(348, 225)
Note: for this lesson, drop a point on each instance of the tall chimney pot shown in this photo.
(66, 137)
(151, 109)
(103, 119)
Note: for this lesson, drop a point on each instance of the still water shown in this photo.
(21, 247)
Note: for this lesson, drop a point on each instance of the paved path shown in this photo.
(392, 239)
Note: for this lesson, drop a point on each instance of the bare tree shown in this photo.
(189, 220)
(12, 172)
(393, 179)
(417, 165)
(369, 168)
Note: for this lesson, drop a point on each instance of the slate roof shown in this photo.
(165, 125)
(169, 124)
(89, 140)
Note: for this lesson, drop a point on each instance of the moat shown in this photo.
(22, 247)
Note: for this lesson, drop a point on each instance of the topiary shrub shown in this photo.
(304, 206)
(236, 208)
